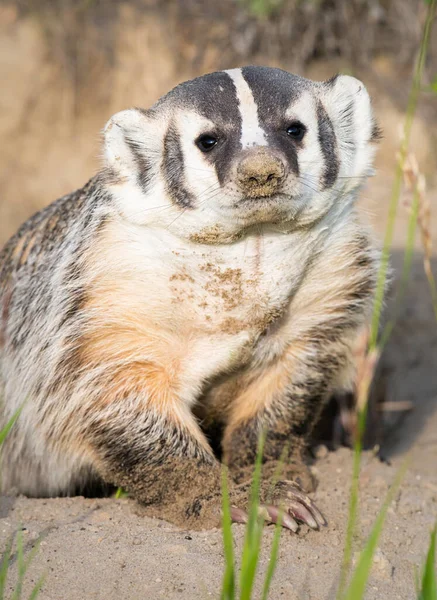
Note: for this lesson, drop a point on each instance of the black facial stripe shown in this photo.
(288, 148)
(173, 168)
(273, 91)
(144, 168)
(328, 144)
(214, 96)
(223, 160)
(218, 102)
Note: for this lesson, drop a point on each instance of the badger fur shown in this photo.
(213, 276)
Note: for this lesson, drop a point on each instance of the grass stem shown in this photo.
(397, 184)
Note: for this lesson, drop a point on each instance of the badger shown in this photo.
(205, 287)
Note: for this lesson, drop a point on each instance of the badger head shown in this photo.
(233, 149)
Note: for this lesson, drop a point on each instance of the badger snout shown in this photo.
(260, 173)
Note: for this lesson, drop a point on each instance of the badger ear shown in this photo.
(126, 150)
(349, 107)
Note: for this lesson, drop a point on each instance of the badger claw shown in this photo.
(238, 515)
(273, 514)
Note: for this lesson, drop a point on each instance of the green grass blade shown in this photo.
(429, 583)
(37, 588)
(120, 493)
(252, 542)
(6, 429)
(361, 574)
(5, 567)
(273, 558)
(352, 517)
(20, 565)
(31, 555)
(228, 586)
(23, 564)
(251, 562)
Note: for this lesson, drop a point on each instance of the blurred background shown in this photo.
(66, 66)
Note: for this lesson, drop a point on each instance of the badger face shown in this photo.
(234, 149)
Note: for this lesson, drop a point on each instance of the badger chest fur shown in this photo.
(212, 276)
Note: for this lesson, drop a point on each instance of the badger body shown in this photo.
(213, 273)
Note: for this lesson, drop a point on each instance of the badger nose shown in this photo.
(260, 173)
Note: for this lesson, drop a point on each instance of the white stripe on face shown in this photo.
(251, 132)
(310, 157)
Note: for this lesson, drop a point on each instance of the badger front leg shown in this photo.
(162, 460)
(284, 400)
(130, 420)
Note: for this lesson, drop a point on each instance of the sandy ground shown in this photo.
(100, 548)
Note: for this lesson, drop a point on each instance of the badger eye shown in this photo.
(206, 142)
(296, 130)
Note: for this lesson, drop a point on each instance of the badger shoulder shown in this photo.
(44, 235)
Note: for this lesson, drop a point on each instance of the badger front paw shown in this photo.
(285, 499)
(289, 500)
(287, 503)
